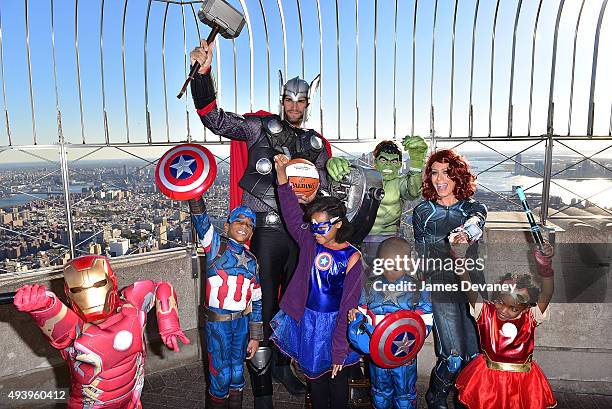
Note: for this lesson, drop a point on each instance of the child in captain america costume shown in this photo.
(394, 387)
(233, 326)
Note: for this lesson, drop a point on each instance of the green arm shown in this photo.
(410, 186)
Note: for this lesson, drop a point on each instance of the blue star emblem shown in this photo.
(183, 166)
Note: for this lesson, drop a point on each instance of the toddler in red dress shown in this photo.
(504, 375)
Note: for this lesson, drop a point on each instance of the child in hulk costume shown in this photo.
(398, 188)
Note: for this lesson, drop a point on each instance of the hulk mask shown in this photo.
(388, 164)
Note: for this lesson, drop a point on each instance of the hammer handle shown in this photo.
(7, 298)
(196, 66)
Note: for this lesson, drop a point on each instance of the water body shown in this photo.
(18, 199)
(599, 191)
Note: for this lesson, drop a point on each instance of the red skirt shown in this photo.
(483, 388)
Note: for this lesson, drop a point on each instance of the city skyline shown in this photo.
(117, 209)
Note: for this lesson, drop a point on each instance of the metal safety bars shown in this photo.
(468, 72)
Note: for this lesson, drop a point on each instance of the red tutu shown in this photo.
(483, 388)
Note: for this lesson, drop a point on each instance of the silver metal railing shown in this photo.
(503, 47)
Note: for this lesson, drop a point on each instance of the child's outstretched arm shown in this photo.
(544, 262)
(293, 214)
(425, 308)
(208, 237)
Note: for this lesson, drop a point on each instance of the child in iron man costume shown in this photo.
(101, 335)
(504, 375)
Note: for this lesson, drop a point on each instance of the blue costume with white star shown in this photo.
(393, 387)
(232, 286)
(309, 340)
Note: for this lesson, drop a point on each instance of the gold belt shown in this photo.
(510, 367)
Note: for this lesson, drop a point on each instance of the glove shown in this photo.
(170, 330)
(416, 147)
(357, 336)
(32, 298)
(544, 262)
(197, 206)
(337, 168)
(167, 317)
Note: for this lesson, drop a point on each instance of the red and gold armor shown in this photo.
(506, 341)
(106, 357)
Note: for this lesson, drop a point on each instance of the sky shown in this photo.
(358, 55)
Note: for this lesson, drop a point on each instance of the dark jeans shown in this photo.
(456, 341)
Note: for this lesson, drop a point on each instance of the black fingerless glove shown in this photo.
(203, 90)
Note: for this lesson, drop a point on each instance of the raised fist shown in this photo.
(544, 259)
(32, 297)
(337, 168)
(416, 147)
(203, 55)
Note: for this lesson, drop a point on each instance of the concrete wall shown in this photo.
(573, 348)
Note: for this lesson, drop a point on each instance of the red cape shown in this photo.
(239, 161)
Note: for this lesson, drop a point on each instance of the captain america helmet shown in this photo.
(240, 213)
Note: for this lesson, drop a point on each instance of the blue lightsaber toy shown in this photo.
(535, 229)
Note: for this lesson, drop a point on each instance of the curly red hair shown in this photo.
(458, 171)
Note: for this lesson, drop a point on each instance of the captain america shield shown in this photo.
(185, 171)
(397, 339)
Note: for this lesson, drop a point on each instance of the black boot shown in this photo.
(281, 371)
(263, 402)
(261, 377)
(438, 391)
(235, 399)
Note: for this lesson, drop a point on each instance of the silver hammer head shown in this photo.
(220, 14)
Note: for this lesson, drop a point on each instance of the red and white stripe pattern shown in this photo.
(231, 292)
(206, 241)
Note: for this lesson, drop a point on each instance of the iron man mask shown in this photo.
(91, 287)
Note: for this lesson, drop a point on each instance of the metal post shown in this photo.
(66, 186)
(548, 159)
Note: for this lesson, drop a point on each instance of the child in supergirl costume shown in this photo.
(504, 376)
(311, 326)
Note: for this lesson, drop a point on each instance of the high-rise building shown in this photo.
(161, 232)
(118, 247)
(517, 164)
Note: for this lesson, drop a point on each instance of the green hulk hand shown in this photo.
(416, 147)
(337, 168)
